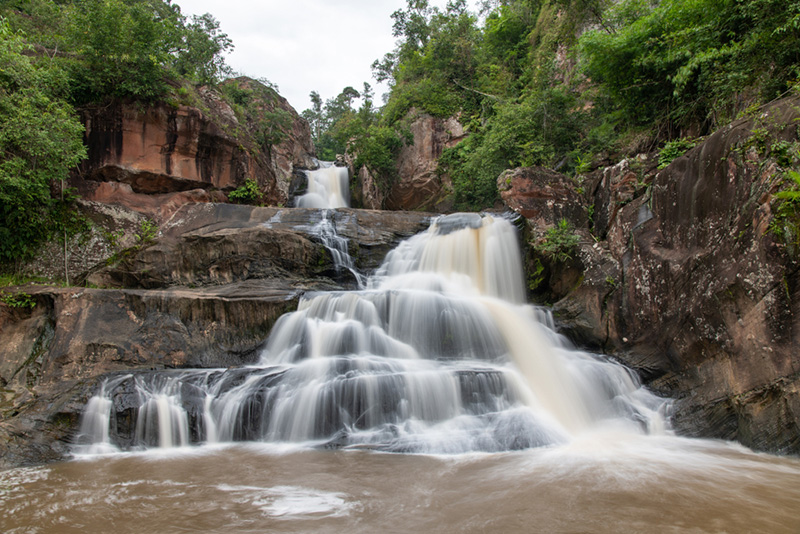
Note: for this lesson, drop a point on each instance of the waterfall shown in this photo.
(337, 246)
(96, 421)
(437, 352)
(328, 187)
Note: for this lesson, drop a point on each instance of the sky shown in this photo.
(306, 45)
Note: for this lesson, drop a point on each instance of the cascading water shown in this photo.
(325, 231)
(438, 354)
(328, 187)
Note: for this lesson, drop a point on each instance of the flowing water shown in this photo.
(607, 483)
(328, 187)
(502, 426)
(325, 231)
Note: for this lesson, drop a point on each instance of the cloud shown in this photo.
(305, 45)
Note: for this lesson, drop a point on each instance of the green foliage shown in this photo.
(678, 63)
(674, 149)
(249, 193)
(122, 48)
(40, 141)
(536, 274)
(376, 149)
(539, 129)
(434, 66)
(202, 45)
(257, 106)
(559, 242)
(784, 152)
(785, 224)
(148, 230)
(18, 299)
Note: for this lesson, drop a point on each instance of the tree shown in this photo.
(40, 141)
(199, 56)
(314, 116)
(122, 47)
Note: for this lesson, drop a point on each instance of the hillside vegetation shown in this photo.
(56, 57)
(566, 84)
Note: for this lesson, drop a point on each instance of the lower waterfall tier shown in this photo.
(437, 355)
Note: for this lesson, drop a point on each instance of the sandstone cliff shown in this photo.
(202, 142)
(687, 277)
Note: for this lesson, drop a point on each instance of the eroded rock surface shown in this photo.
(688, 283)
(161, 149)
(205, 293)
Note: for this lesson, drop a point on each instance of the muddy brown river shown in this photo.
(599, 483)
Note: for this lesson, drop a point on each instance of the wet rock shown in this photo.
(204, 294)
(57, 352)
(223, 243)
(616, 186)
(705, 300)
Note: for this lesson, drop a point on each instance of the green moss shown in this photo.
(536, 275)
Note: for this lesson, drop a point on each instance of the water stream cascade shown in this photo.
(436, 352)
(328, 187)
(431, 398)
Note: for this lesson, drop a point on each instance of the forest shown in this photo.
(58, 57)
(565, 84)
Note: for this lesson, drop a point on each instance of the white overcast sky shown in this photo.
(305, 45)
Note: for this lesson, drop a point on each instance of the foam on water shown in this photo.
(437, 353)
(328, 187)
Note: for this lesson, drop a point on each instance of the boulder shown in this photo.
(542, 196)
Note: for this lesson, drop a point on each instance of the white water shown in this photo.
(337, 246)
(439, 354)
(328, 187)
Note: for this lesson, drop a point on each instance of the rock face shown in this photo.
(204, 294)
(162, 148)
(689, 284)
(542, 196)
(419, 186)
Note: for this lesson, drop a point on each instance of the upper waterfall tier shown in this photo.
(480, 255)
(328, 187)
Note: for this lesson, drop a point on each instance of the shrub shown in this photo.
(674, 149)
(249, 193)
(559, 242)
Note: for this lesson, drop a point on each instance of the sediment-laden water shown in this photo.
(431, 399)
(607, 483)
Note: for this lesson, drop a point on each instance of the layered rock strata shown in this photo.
(204, 293)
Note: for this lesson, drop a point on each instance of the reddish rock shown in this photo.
(419, 186)
(614, 188)
(160, 149)
(542, 196)
(156, 207)
(701, 296)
